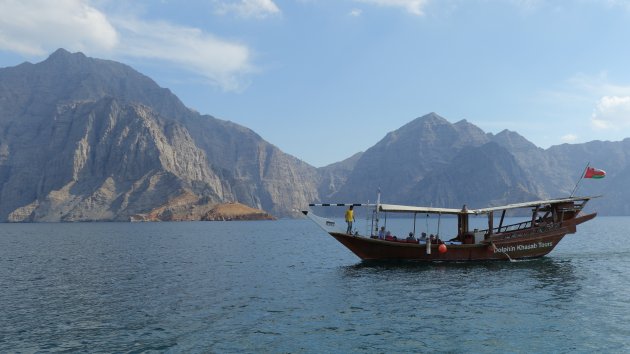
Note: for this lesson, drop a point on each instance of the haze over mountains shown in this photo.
(87, 139)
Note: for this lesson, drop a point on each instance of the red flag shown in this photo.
(592, 172)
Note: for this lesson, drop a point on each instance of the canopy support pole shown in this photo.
(414, 223)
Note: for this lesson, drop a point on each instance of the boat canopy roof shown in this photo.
(392, 208)
(537, 203)
(429, 210)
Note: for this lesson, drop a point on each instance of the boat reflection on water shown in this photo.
(548, 271)
(472, 283)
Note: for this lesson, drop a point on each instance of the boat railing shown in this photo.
(513, 227)
(509, 228)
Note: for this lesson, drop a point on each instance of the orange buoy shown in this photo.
(442, 248)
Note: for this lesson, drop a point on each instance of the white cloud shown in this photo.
(356, 12)
(612, 107)
(415, 7)
(34, 27)
(248, 8)
(612, 112)
(582, 90)
(220, 61)
(569, 138)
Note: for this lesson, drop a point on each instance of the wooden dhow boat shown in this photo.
(546, 223)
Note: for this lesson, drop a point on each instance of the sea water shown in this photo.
(287, 287)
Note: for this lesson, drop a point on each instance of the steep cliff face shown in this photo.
(91, 139)
(258, 173)
(479, 177)
(334, 176)
(404, 157)
(544, 179)
(102, 161)
(431, 161)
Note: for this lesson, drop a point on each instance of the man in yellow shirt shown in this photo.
(349, 219)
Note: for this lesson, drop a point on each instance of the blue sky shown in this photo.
(324, 79)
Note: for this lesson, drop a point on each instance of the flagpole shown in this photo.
(579, 180)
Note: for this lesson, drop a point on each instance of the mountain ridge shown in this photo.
(188, 152)
(85, 139)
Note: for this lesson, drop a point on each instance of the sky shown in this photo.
(325, 79)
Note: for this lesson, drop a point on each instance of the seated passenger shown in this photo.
(411, 238)
(381, 233)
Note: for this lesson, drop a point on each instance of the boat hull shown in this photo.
(520, 244)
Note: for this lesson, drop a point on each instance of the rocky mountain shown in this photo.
(405, 156)
(335, 175)
(613, 157)
(90, 139)
(431, 161)
(100, 160)
(466, 178)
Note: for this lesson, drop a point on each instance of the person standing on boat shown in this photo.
(350, 219)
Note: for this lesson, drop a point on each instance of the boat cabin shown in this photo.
(542, 212)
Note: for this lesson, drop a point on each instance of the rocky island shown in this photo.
(183, 210)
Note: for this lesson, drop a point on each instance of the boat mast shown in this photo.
(414, 224)
(462, 222)
(374, 230)
(490, 223)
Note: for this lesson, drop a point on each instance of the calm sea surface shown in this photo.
(287, 287)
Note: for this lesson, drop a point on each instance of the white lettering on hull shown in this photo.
(523, 247)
